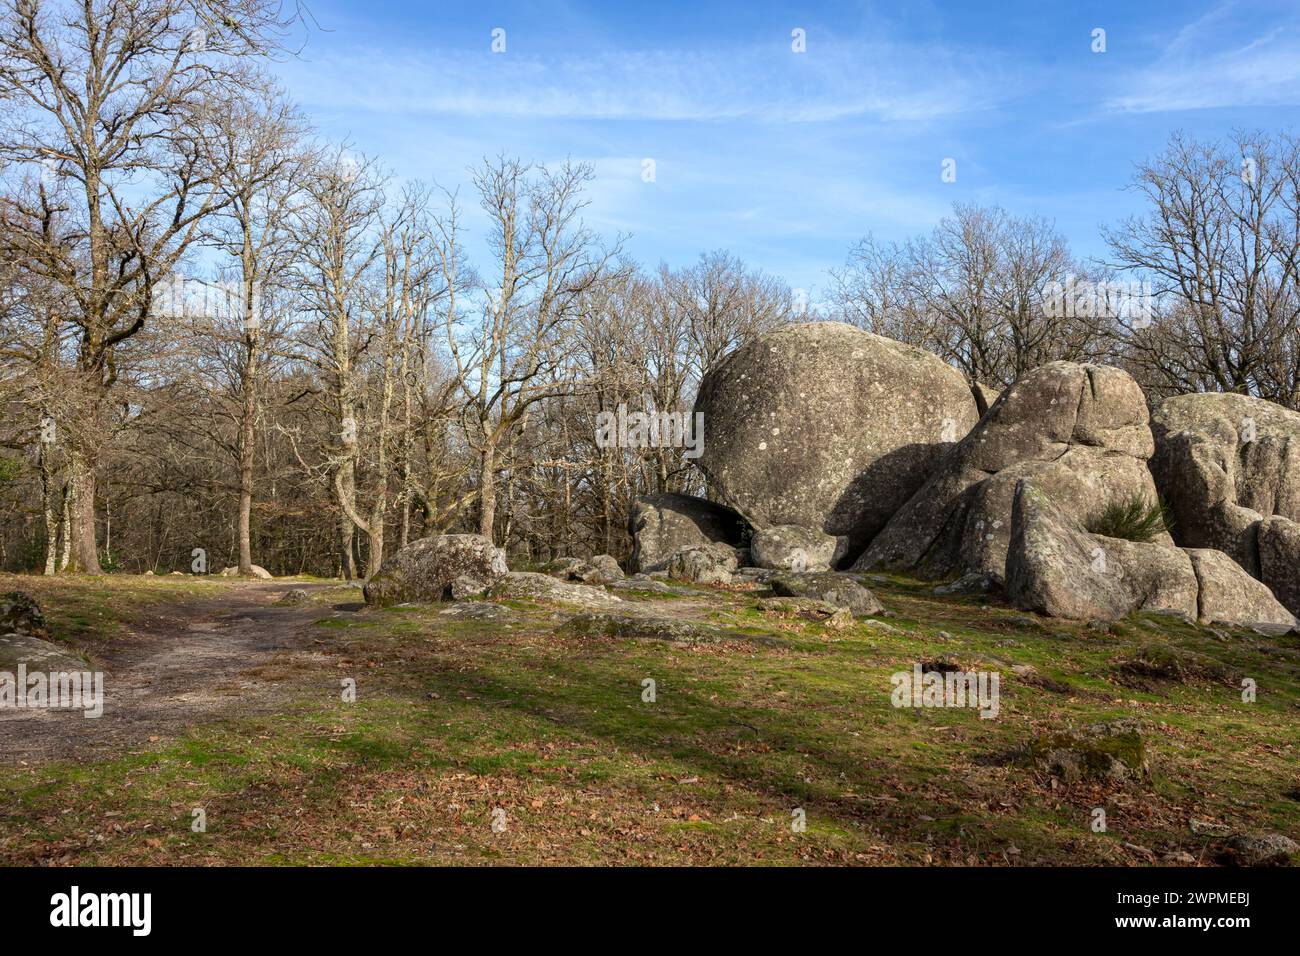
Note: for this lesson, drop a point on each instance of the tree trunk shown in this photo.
(246, 442)
(348, 559)
(487, 496)
(85, 551)
(65, 559)
(50, 515)
(375, 559)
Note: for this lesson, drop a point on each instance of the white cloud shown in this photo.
(1195, 71)
(830, 81)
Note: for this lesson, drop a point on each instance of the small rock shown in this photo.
(1110, 752)
(1258, 849)
(542, 587)
(808, 609)
(644, 627)
(841, 590)
(295, 597)
(608, 568)
(972, 582)
(20, 614)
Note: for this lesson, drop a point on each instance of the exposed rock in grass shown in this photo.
(1112, 752)
(542, 587)
(649, 585)
(295, 597)
(808, 609)
(1163, 662)
(255, 570)
(644, 627)
(478, 611)
(36, 655)
(1257, 849)
(438, 568)
(972, 582)
(20, 614)
(837, 589)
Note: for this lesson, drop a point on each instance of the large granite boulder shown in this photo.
(439, 568)
(826, 426)
(788, 547)
(1278, 542)
(1229, 466)
(1228, 595)
(663, 523)
(1080, 431)
(703, 564)
(1056, 567)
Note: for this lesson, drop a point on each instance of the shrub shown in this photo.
(1134, 519)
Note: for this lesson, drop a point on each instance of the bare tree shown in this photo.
(115, 96)
(973, 292)
(1220, 242)
(264, 164)
(723, 303)
(339, 248)
(516, 355)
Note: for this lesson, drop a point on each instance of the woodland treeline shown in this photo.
(218, 330)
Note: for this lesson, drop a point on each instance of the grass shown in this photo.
(455, 719)
(1133, 519)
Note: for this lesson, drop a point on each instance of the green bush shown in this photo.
(1135, 519)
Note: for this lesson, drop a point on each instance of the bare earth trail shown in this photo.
(194, 660)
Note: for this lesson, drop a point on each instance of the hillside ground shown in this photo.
(500, 736)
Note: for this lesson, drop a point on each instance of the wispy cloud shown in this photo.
(830, 81)
(1195, 71)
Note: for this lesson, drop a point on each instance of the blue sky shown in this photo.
(787, 158)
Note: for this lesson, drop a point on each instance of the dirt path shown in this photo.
(193, 660)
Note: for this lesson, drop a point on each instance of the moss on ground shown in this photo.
(552, 735)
